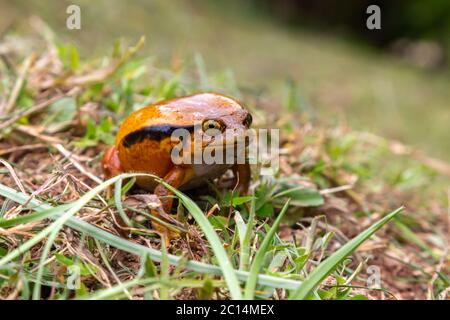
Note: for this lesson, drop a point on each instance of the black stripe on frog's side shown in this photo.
(157, 132)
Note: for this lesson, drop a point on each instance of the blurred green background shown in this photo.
(394, 82)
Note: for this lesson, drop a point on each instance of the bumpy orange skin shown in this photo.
(143, 142)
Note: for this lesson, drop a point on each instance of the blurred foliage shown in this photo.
(413, 19)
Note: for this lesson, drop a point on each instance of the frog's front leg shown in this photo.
(242, 174)
(175, 177)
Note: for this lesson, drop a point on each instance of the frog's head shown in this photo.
(224, 122)
(216, 121)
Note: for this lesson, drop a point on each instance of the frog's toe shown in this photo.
(166, 234)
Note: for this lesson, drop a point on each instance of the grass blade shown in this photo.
(214, 240)
(137, 249)
(244, 260)
(241, 227)
(259, 257)
(118, 202)
(326, 267)
(48, 213)
(60, 221)
(45, 252)
(164, 292)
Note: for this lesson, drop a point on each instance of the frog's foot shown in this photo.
(169, 228)
(164, 224)
(165, 233)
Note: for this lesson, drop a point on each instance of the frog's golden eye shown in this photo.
(213, 125)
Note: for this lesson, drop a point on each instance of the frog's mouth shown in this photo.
(227, 152)
(231, 151)
(223, 144)
(228, 145)
(232, 146)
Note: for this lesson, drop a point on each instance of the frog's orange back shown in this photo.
(181, 112)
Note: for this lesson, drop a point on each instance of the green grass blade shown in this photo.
(105, 260)
(60, 221)
(409, 235)
(259, 257)
(118, 203)
(241, 231)
(118, 289)
(326, 267)
(45, 252)
(244, 260)
(52, 230)
(48, 213)
(137, 249)
(164, 292)
(214, 240)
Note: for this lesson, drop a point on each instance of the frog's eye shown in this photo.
(213, 125)
(248, 120)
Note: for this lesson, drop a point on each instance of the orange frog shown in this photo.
(145, 143)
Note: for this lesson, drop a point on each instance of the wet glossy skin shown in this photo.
(143, 143)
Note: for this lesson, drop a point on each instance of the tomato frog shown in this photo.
(145, 144)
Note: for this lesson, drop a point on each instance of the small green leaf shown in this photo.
(359, 297)
(265, 211)
(63, 259)
(74, 58)
(62, 111)
(218, 222)
(241, 200)
(302, 197)
(300, 261)
(207, 290)
(150, 268)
